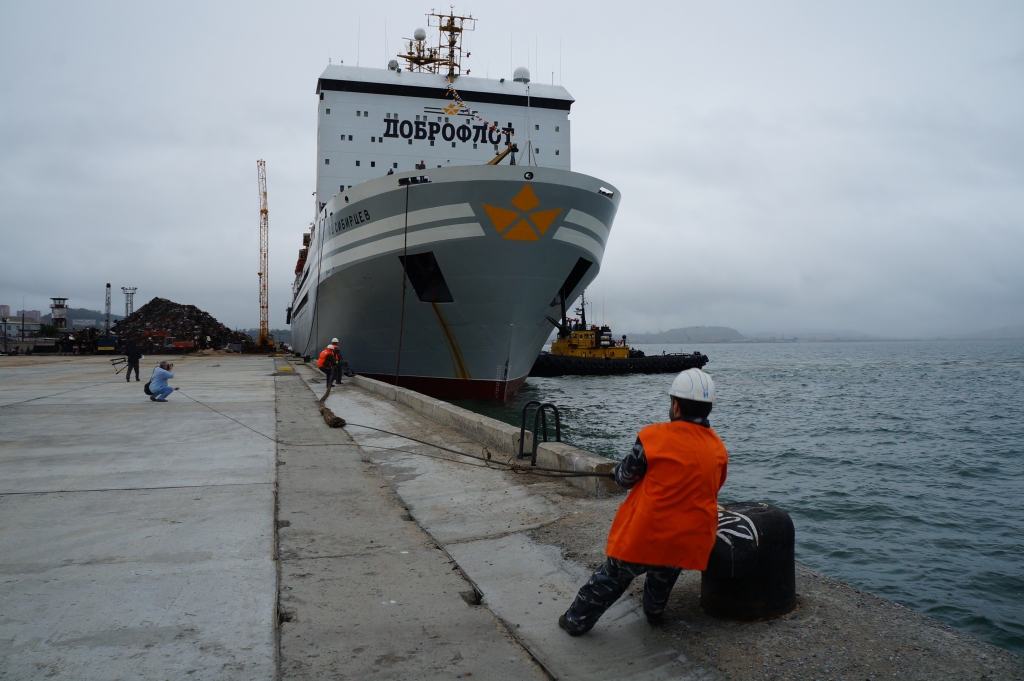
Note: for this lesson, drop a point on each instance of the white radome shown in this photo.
(419, 34)
(521, 75)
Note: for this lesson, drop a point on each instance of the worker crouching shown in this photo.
(333, 364)
(669, 520)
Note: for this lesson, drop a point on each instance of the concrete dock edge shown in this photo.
(500, 436)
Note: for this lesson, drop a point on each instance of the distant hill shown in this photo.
(689, 334)
(1004, 333)
(82, 313)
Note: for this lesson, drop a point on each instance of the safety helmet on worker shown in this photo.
(334, 341)
(693, 384)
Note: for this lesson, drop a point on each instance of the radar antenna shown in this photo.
(446, 58)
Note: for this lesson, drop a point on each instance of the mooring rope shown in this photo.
(489, 462)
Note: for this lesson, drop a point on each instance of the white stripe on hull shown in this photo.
(454, 211)
(580, 239)
(397, 243)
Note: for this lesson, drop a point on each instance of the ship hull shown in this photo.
(483, 252)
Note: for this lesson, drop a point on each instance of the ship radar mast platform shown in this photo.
(446, 58)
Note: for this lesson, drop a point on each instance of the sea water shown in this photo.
(901, 463)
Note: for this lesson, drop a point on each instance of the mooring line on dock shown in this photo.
(132, 489)
(510, 465)
(43, 397)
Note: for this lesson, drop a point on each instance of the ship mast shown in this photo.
(446, 58)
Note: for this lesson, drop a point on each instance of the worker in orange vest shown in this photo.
(669, 520)
(327, 362)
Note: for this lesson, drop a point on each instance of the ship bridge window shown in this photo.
(373, 164)
(373, 139)
(357, 162)
(328, 112)
(556, 151)
(366, 114)
(359, 113)
(536, 127)
(425, 276)
(327, 161)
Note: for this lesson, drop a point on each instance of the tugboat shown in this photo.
(582, 350)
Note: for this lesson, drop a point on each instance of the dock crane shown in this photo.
(264, 337)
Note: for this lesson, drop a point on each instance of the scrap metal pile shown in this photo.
(163, 325)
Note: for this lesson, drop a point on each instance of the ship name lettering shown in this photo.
(423, 130)
(355, 219)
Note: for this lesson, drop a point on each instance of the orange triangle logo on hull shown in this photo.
(530, 226)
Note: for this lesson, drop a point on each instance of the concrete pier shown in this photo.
(242, 538)
(136, 539)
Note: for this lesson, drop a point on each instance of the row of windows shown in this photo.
(327, 161)
(366, 114)
(380, 140)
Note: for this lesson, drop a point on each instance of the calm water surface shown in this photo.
(902, 464)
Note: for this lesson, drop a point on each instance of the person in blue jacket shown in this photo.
(158, 384)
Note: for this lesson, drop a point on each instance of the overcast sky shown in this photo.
(784, 167)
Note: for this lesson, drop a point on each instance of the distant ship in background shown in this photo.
(449, 225)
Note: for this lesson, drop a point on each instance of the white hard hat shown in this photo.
(334, 340)
(693, 384)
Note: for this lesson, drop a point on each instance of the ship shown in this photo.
(449, 223)
(580, 349)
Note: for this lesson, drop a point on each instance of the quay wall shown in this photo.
(501, 438)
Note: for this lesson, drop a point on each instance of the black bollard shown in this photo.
(751, 574)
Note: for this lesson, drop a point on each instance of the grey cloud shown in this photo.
(783, 167)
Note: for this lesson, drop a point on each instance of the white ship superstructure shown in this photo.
(374, 120)
(434, 265)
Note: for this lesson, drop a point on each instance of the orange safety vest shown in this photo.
(671, 516)
(324, 355)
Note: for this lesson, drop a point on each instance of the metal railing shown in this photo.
(540, 425)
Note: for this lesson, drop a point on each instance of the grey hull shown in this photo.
(504, 245)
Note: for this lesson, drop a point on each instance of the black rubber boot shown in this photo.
(564, 623)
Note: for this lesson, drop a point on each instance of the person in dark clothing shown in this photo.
(133, 355)
(341, 366)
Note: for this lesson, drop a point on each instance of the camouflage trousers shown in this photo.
(610, 581)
